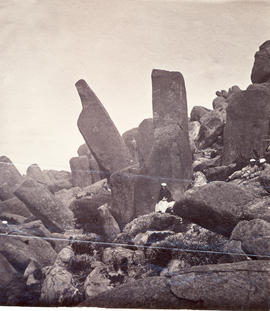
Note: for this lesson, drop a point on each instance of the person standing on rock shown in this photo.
(165, 201)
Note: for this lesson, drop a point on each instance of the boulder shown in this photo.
(247, 124)
(110, 227)
(219, 172)
(261, 68)
(9, 173)
(123, 187)
(42, 204)
(193, 130)
(21, 250)
(204, 163)
(212, 125)
(254, 238)
(15, 206)
(12, 218)
(144, 140)
(154, 221)
(66, 196)
(242, 285)
(219, 103)
(217, 206)
(33, 228)
(129, 138)
(34, 172)
(234, 89)
(196, 246)
(198, 179)
(12, 288)
(197, 112)
(150, 237)
(100, 133)
(83, 150)
(170, 159)
(85, 206)
(6, 192)
(265, 179)
(80, 170)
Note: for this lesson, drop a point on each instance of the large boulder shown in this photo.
(247, 124)
(85, 206)
(15, 206)
(261, 68)
(129, 138)
(242, 285)
(170, 158)
(42, 203)
(109, 225)
(217, 206)
(197, 112)
(265, 179)
(254, 237)
(212, 125)
(58, 180)
(219, 172)
(100, 133)
(21, 250)
(35, 172)
(123, 186)
(144, 140)
(80, 170)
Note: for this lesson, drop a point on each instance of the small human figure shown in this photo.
(262, 165)
(165, 201)
(246, 172)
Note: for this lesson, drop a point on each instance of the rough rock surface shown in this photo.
(170, 159)
(248, 112)
(109, 225)
(34, 172)
(254, 237)
(265, 179)
(42, 204)
(129, 138)
(261, 68)
(80, 170)
(197, 112)
(144, 139)
(15, 206)
(123, 187)
(241, 285)
(217, 206)
(193, 130)
(9, 173)
(100, 133)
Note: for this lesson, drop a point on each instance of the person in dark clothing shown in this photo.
(165, 193)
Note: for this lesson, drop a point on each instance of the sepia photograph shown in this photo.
(135, 154)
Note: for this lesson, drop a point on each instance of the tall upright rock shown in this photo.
(80, 170)
(100, 133)
(170, 159)
(248, 113)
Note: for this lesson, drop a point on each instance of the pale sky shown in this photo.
(47, 45)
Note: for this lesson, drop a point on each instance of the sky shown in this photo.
(47, 45)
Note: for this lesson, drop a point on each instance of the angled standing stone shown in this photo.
(81, 176)
(100, 133)
(170, 160)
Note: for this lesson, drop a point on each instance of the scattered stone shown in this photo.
(100, 133)
(197, 112)
(261, 68)
(42, 204)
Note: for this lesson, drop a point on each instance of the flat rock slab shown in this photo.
(100, 133)
(217, 206)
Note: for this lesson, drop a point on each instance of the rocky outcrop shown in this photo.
(100, 133)
(34, 172)
(261, 68)
(58, 180)
(265, 179)
(110, 227)
(42, 204)
(130, 139)
(80, 170)
(247, 124)
(194, 130)
(217, 206)
(15, 206)
(170, 158)
(123, 187)
(197, 112)
(242, 285)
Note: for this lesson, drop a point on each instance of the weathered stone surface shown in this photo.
(21, 250)
(66, 196)
(197, 112)
(265, 179)
(6, 192)
(57, 175)
(219, 103)
(123, 187)
(109, 225)
(100, 133)
(170, 159)
(42, 204)
(217, 206)
(85, 207)
(12, 218)
(203, 163)
(80, 170)
(247, 122)
(193, 130)
(83, 150)
(9, 173)
(15, 206)
(153, 221)
(34, 172)
(212, 125)
(144, 139)
(254, 237)
(219, 172)
(150, 237)
(122, 256)
(33, 228)
(198, 179)
(261, 68)
(129, 138)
